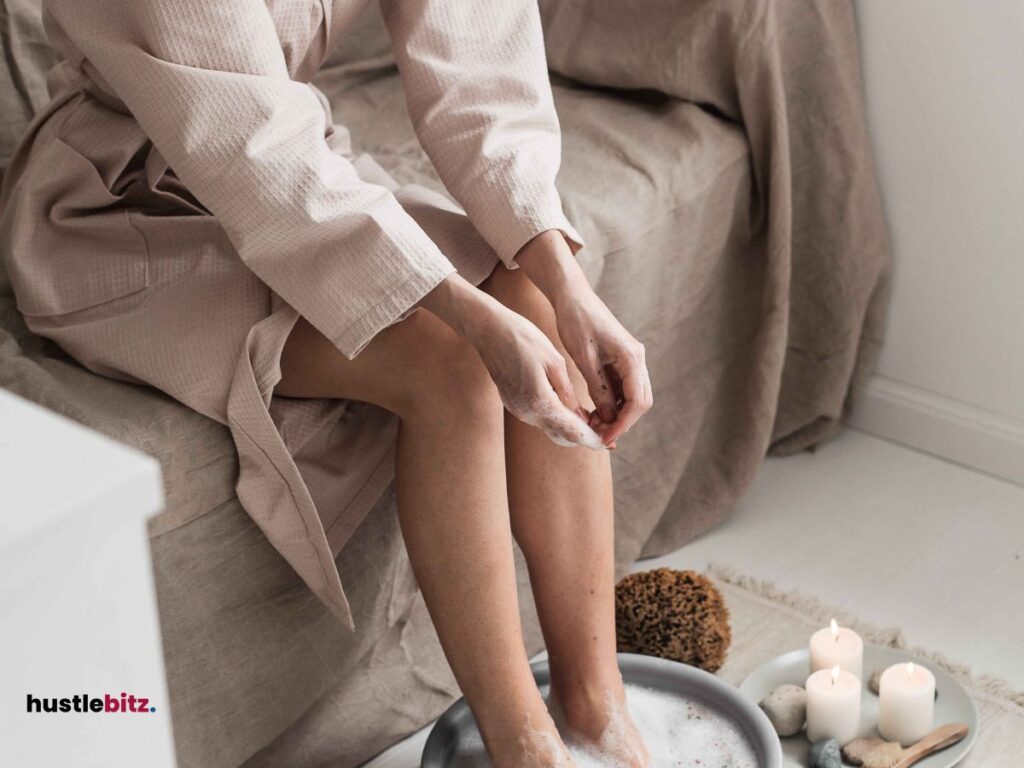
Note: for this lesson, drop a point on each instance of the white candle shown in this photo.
(906, 703)
(837, 645)
(833, 705)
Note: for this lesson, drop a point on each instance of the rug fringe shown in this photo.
(998, 688)
(820, 612)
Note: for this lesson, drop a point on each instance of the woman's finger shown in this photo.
(615, 383)
(635, 401)
(558, 377)
(648, 391)
(563, 426)
(600, 388)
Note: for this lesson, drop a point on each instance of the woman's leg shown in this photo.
(452, 503)
(562, 518)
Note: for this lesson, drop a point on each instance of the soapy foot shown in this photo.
(599, 724)
(536, 746)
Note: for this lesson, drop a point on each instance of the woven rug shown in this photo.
(767, 622)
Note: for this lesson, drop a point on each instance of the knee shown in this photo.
(464, 385)
(449, 384)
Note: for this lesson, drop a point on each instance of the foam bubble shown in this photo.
(616, 746)
(678, 732)
(564, 427)
(543, 749)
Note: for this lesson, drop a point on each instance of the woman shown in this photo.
(184, 214)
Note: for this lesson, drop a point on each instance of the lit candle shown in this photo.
(833, 705)
(837, 645)
(906, 703)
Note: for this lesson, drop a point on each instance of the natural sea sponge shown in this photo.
(672, 614)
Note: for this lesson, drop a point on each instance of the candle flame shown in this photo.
(910, 669)
(835, 674)
(835, 629)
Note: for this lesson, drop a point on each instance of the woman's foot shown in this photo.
(596, 717)
(536, 744)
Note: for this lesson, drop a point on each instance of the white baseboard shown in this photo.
(947, 428)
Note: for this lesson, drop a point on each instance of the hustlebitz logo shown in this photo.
(125, 704)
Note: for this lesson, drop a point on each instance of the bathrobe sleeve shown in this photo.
(209, 84)
(476, 83)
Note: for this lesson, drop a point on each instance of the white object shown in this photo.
(835, 645)
(76, 597)
(942, 89)
(833, 705)
(906, 703)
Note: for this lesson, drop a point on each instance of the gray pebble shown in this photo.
(824, 754)
(786, 707)
(875, 681)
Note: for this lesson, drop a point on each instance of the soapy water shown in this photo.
(678, 733)
(560, 424)
(617, 745)
(542, 748)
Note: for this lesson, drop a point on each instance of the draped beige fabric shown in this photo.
(716, 160)
(788, 72)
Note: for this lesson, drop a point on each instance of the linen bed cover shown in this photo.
(716, 162)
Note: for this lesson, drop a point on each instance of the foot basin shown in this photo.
(456, 726)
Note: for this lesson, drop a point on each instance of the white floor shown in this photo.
(887, 533)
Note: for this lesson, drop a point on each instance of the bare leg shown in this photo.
(453, 510)
(562, 518)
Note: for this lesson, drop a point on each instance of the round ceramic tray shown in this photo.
(660, 674)
(953, 705)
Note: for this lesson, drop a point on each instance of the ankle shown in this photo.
(587, 705)
(533, 742)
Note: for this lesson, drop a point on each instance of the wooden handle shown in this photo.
(942, 737)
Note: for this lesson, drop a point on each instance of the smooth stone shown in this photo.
(824, 754)
(875, 682)
(786, 707)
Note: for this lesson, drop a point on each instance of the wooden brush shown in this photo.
(881, 754)
(939, 739)
(854, 751)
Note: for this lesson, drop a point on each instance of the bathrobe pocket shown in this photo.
(77, 246)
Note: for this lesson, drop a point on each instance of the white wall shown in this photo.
(945, 92)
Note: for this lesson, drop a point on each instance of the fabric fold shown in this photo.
(269, 484)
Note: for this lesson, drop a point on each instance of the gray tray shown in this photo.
(954, 704)
(660, 674)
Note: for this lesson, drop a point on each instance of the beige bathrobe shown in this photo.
(186, 197)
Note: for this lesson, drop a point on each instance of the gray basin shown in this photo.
(660, 674)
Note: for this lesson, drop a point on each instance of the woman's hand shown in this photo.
(529, 372)
(610, 359)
